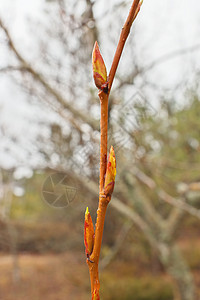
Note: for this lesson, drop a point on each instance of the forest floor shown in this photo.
(63, 276)
(38, 274)
(48, 276)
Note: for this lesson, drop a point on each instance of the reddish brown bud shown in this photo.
(88, 233)
(99, 68)
(110, 173)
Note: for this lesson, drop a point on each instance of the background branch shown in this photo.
(25, 66)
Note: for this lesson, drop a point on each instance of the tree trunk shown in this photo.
(177, 268)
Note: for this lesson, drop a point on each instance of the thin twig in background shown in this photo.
(26, 66)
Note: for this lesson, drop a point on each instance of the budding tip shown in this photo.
(99, 68)
(87, 211)
(112, 150)
(112, 153)
(96, 48)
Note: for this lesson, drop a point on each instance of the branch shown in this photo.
(122, 40)
(162, 59)
(122, 208)
(179, 203)
(103, 142)
(175, 216)
(104, 85)
(145, 208)
(118, 244)
(12, 68)
(25, 66)
(170, 56)
(132, 215)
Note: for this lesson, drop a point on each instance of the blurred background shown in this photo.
(49, 141)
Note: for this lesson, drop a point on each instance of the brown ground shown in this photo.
(57, 276)
(52, 277)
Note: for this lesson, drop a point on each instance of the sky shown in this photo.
(162, 27)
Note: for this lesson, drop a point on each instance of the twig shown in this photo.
(123, 37)
(170, 56)
(105, 88)
(123, 209)
(25, 66)
(162, 59)
(177, 202)
(12, 68)
(118, 244)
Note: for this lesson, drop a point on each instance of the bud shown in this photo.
(110, 173)
(88, 233)
(95, 295)
(99, 68)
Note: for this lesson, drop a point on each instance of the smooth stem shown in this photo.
(93, 262)
(122, 40)
(103, 143)
(94, 258)
(103, 201)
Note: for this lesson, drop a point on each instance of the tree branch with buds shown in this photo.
(103, 82)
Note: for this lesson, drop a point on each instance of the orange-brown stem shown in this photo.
(103, 143)
(103, 200)
(94, 258)
(122, 40)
